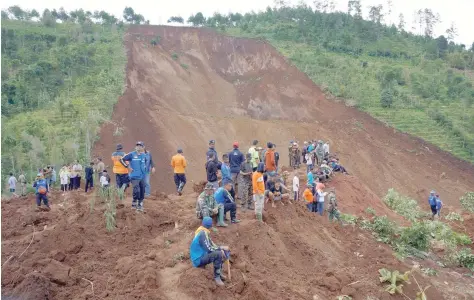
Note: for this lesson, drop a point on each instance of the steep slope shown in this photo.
(196, 85)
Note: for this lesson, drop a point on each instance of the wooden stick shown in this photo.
(32, 237)
(92, 284)
(228, 270)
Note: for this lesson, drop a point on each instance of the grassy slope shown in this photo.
(65, 105)
(343, 76)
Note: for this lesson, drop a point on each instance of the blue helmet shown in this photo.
(207, 222)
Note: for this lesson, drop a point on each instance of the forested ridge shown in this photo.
(61, 75)
(417, 83)
(62, 72)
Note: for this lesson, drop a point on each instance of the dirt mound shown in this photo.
(198, 85)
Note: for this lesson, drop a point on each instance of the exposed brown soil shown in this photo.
(294, 255)
(198, 85)
(228, 89)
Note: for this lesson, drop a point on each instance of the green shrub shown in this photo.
(383, 228)
(452, 216)
(402, 205)
(465, 258)
(175, 56)
(416, 236)
(386, 98)
(467, 201)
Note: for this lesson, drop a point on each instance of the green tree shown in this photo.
(47, 18)
(375, 13)
(386, 98)
(129, 14)
(17, 12)
(197, 19)
(4, 15)
(176, 19)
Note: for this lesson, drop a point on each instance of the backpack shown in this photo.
(42, 190)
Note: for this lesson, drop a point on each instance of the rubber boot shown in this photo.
(219, 281)
(221, 219)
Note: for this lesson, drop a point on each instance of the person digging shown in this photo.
(203, 251)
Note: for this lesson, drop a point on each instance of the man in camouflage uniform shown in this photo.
(245, 182)
(295, 156)
(206, 205)
(319, 153)
(332, 209)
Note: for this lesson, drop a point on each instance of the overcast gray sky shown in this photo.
(457, 11)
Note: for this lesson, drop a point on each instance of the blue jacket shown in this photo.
(225, 171)
(137, 163)
(310, 148)
(201, 244)
(310, 178)
(89, 173)
(432, 200)
(222, 196)
(40, 183)
(149, 164)
(236, 158)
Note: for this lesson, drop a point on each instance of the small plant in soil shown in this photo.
(185, 66)
(370, 211)
(179, 257)
(453, 216)
(467, 201)
(108, 195)
(175, 56)
(396, 281)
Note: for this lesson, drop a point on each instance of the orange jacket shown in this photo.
(270, 164)
(308, 195)
(118, 167)
(258, 185)
(178, 162)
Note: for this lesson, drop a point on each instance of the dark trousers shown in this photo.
(89, 183)
(63, 187)
(180, 181)
(215, 258)
(232, 207)
(138, 192)
(40, 197)
(71, 183)
(76, 183)
(122, 181)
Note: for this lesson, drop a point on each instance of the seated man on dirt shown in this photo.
(326, 169)
(278, 193)
(226, 203)
(203, 251)
(206, 205)
(270, 186)
(336, 167)
(319, 175)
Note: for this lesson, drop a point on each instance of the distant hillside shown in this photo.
(59, 82)
(417, 84)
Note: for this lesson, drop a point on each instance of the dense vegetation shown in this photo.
(61, 75)
(416, 83)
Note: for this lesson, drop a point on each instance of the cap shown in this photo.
(255, 142)
(207, 222)
(226, 181)
(432, 192)
(140, 143)
(235, 145)
(269, 144)
(209, 186)
(180, 150)
(212, 142)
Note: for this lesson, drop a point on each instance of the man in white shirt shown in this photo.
(296, 187)
(326, 150)
(12, 185)
(320, 201)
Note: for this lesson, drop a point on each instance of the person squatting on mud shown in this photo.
(203, 251)
(258, 188)
(122, 179)
(245, 184)
(41, 190)
(178, 162)
(206, 205)
(137, 166)
(226, 203)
